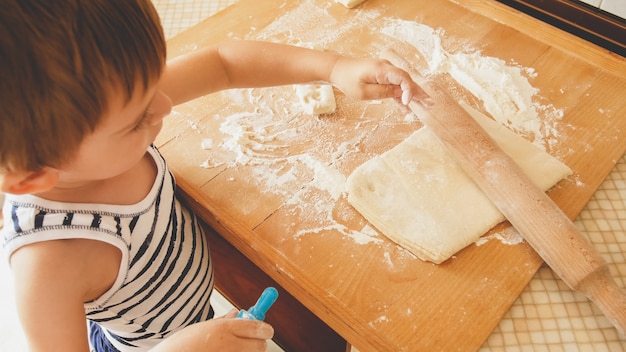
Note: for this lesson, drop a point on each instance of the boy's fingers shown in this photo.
(409, 90)
(381, 91)
(231, 313)
(424, 98)
(251, 329)
(402, 94)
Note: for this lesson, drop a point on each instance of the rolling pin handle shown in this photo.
(601, 288)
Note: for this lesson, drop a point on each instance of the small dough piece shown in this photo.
(316, 98)
(418, 196)
(349, 3)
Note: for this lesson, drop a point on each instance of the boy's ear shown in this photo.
(29, 182)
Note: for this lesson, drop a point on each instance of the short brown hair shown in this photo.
(59, 61)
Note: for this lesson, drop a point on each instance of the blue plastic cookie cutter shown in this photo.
(258, 311)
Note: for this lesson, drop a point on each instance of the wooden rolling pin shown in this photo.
(537, 218)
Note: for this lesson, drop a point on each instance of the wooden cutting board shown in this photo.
(271, 206)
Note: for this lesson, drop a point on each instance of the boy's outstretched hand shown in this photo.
(376, 79)
(221, 334)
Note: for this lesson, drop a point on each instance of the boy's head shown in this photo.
(60, 61)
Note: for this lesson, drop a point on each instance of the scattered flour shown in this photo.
(326, 177)
(508, 236)
(504, 90)
(381, 319)
(369, 230)
(311, 26)
(208, 164)
(267, 137)
(250, 141)
(207, 143)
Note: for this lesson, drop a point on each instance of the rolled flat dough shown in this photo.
(316, 98)
(349, 3)
(418, 196)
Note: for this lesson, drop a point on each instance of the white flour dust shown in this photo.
(508, 236)
(207, 143)
(311, 26)
(269, 138)
(504, 89)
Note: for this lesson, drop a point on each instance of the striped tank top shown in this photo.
(165, 278)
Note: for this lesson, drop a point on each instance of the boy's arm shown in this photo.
(239, 64)
(50, 288)
(54, 278)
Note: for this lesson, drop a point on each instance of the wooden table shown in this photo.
(371, 292)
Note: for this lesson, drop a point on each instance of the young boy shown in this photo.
(93, 228)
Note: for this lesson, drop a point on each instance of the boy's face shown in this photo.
(121, 139)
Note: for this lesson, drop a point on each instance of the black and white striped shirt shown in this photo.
(166, 276)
